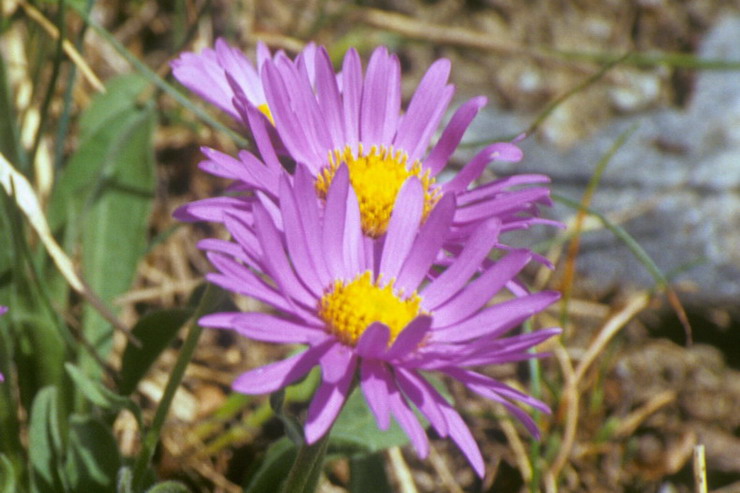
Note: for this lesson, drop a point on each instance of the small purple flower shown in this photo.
(371, 308)
(216, 73)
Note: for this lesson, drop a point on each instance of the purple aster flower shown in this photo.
(358, 121)
(369, 308)
(326, 120)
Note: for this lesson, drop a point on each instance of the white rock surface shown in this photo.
(679, 174)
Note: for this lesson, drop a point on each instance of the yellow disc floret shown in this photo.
(265, 110)
(377, 178)
(348, 308)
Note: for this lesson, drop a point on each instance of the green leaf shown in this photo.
(95, 391)
(36, 328)
(155, 331)
(100, 395)
(168, 487)
(92, 455)
(45, 443)
(103, 198)
(367, 475)
(114, 236)
(7, 476)
(103, 125)
(356, 432)
(274, 468)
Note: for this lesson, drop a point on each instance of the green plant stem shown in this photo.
(64, 118)
(535, 375)
(151, 438)
(56, 66)
(670, 59)
(635, 248)
(305, 473)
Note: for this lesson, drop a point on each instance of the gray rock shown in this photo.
(677, 180)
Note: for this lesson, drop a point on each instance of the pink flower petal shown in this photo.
(374, 341)
(497, 319)
(334, 219)
(465, 265)
(408, 422)
(275, 376)
(460, 434)
(424, 397)
(402, 228)
(427, 245)
(327, 402)
(409, 338)
(478, 292)
(264, 327)
(501, 151)
(452, 135)
(375, 381)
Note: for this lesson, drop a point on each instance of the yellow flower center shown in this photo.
(377, 178)
(266, 111)
(350, 307)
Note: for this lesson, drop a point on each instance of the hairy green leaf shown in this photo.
(45, 443)
(93, 459)
(274, 468)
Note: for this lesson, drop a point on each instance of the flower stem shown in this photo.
(535, 459)
(151, 438)
(306, 471)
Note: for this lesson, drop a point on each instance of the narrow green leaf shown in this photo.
(633, 245)
(7, 476)
(102, 126)
(168, 487)
(36, 327)
(114, 235)
(92, 455)
(356, 432)
(274, 468)
(155, 331)
(367, 474)
(45, 443)
(10, 440)
(100, 395)
(103, 199)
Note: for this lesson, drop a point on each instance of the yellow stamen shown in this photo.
(350, 307)
(377, 178)
(266, 111)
